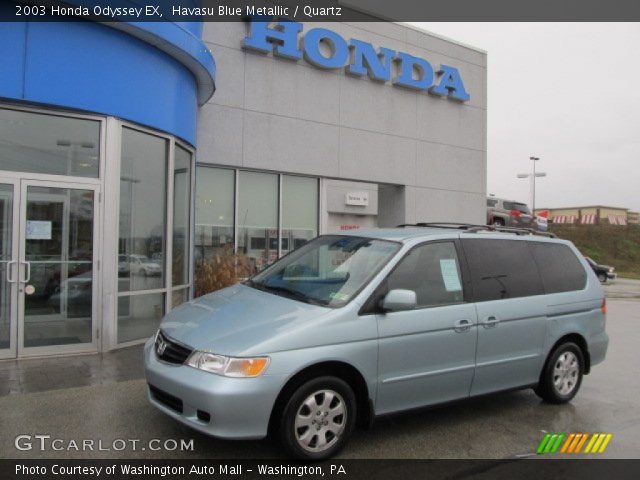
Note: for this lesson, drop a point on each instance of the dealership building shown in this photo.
(132, 152)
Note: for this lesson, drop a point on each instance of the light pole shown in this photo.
(532, 176)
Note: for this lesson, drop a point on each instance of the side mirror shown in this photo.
(399, 300)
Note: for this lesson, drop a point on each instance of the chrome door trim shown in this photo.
(11, 352)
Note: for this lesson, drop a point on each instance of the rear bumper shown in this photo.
(239, 408)
(598, 348)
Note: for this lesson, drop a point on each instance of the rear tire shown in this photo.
(498, 222)
(318, 419)
(562, 375)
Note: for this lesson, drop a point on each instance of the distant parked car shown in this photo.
(509, 213)
(604, 272)
(141, 265)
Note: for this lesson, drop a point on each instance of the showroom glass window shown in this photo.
(299, 211)
(258, 218)
(49, 144)
(214, 239)
(215, 193)
(142, 233)
(263, 201)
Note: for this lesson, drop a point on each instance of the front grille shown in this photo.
(171, 351)
(174, 403)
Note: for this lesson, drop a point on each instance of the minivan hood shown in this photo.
(237, 319)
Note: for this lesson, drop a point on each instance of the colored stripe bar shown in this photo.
(591, 442)
(556, 445)
(575, 442)
(596, 445)
(567, 443)
(581, 443)
(550, 443)
(606, 441)
(543, 443)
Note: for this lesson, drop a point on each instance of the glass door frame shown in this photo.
(12, 271)
(21, 183)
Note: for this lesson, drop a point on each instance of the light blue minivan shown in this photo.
(356, 325)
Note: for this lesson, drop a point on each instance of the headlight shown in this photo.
(611, 270)
(228, 366)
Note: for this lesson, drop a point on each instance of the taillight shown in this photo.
(603, 306)
(516, 213)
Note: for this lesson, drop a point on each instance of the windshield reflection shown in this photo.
(329, 270)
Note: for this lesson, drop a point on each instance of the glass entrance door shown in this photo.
(49, 269)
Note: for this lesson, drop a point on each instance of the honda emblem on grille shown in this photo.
(160, 348)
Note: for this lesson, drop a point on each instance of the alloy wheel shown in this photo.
(566, 373)
(320, 420)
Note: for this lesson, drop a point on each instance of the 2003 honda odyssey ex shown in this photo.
(352, 326)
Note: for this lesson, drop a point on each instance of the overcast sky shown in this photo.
(568, 93)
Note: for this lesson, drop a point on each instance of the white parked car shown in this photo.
(141, 265)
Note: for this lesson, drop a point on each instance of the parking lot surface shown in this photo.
(103, 397)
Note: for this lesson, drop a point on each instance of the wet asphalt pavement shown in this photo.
(103, 397)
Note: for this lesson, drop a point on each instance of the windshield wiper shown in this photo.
(287, 292)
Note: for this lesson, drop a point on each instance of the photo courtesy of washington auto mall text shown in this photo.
(182, 470)
(337, 239)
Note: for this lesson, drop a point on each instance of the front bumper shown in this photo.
(239, 408)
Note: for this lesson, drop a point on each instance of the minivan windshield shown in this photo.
(329, 270)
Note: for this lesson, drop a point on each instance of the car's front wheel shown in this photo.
(602, 277)
(318, 418)
(562, 375)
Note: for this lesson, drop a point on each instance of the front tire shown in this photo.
(562, 375)
(318, 419)
(602, 277)
(498, 222)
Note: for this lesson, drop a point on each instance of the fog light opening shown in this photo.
(203, 416)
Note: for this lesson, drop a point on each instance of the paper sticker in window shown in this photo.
(450, 276)
(38, 230)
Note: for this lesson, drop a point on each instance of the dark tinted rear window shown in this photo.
(559, 267)
(501, 269)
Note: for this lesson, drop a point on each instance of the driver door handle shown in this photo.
(462, 326)
(490, 322)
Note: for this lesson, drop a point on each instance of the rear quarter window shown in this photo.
(560, 269)
(501, 269)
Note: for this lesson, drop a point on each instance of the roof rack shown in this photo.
(471, 228)
(454, 225)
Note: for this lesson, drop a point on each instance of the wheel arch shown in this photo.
(345, 371)
(579, 340)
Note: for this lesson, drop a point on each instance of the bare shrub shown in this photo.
(224, 269)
